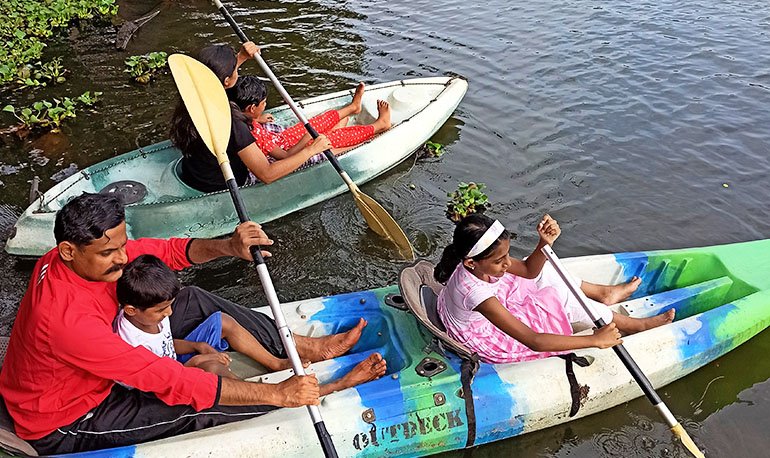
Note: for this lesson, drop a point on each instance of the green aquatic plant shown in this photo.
(88, 98)
(52, 71)
(434, 149)
(26, 26)
(144, 68)
(49, 114)
(467, 199)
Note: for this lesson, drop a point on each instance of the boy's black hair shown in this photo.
(86, 217)
(248, 90)
(146, 282)
(468, 231)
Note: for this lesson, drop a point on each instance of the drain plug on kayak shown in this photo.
(429, 367)
(129, 192)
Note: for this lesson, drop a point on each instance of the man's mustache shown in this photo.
(115, 268)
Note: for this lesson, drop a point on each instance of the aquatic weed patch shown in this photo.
(28, 24)
(144, 68)
(467, 199)
(48, 114)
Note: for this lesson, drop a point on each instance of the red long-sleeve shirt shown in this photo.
(63, 357)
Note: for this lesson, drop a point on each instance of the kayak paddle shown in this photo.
(622, 353)
(376, 217)
(206, 101)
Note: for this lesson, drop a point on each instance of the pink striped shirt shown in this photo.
(540, 308)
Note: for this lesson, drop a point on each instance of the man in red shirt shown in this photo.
(58, 378)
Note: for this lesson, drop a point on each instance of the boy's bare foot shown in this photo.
(323, 348)
(383, 120)
(357, 97)
(367, 370)
(611, 295)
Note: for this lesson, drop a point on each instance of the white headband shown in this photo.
(487, 239)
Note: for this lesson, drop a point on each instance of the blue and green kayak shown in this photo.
(721, 295)
(161, 205)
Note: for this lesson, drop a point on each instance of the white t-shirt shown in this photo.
(162, 343)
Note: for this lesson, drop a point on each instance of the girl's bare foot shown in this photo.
(630, 325)
(658, 320)
(357, 97)
(383, 120)
(611, 295)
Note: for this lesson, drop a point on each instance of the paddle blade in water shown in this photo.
(382, 223)
(206, 101)
(679, 431)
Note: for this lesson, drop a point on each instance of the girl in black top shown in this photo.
(200, 169)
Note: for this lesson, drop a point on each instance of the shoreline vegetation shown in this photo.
(26, 28)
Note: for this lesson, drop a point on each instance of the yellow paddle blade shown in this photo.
(382, 223)
(206, 101)
(679, 431)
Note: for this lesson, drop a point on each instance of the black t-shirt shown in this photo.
(200, 169)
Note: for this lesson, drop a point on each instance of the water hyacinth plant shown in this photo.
(434, 149)
(49, 114)
(145, 68)
(25, 28)
(467, 199)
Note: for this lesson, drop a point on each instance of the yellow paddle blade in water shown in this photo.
(380, 221)
(679, 431)
(206, 101)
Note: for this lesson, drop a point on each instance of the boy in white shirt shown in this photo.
(146, 290)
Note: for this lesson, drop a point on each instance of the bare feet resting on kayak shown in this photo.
(367, 370)
(328, 347)
(610, 295)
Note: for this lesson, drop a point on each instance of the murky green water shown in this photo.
(623, 121)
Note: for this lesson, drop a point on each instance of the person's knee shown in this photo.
(228, 323)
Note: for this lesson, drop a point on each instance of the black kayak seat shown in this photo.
(9, 441)
(420, 292)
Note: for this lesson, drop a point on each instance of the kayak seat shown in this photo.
(9, 441)
(420, 292)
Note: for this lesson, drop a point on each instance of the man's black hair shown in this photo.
(87, 217)
(248, 90)
(146, 282)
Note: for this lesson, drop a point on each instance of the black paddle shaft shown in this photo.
(242, 36)
(633, 368)
(256, 253)
(240, 208)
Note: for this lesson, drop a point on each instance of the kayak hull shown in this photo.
(173, 209)
(722, 298)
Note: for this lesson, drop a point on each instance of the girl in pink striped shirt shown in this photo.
(509, 310)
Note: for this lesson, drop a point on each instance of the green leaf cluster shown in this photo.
(467, 199)
(50, 114)
(40, 74)
(434, 149)
(27, 24)
(144, 68)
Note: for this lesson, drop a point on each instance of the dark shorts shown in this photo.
(128, 417)
(210, 332)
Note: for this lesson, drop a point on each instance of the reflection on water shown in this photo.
(622, 120)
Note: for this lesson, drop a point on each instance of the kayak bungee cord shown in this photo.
(377, 218)
(628, 361)
(206, 101)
